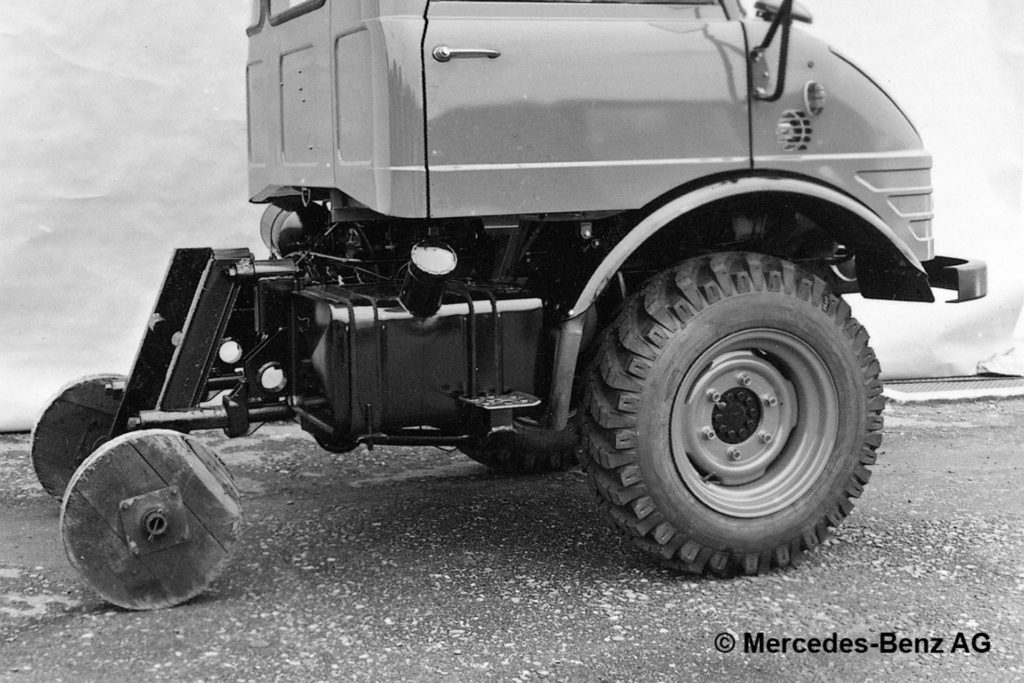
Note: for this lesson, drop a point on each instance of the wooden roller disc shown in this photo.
(150, 518)
(72, 426)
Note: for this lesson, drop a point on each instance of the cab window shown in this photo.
(283, 10)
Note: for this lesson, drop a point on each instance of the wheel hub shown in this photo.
(737, 416)
(753, 422)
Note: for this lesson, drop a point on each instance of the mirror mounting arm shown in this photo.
(783, 18)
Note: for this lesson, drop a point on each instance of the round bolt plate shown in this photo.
(738, 418)
(738, 415)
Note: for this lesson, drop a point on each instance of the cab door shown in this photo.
(571, 106)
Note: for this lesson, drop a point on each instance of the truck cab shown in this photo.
(452, 109)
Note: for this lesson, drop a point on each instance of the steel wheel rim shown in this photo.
(755, 472)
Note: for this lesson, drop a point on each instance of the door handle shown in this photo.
(443, 53)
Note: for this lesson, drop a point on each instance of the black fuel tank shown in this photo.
(381, 369)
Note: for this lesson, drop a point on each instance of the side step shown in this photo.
(496, 411)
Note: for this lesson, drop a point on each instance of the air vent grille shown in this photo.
(793, 131)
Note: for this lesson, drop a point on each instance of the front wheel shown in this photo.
(732, 413)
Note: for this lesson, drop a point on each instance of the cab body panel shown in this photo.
(378, 94)
(335, 100)
(589, 106)
(289, 99)
(861, 142)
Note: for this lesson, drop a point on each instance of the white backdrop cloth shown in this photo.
(123, 137)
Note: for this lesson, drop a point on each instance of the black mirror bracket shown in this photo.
(783, 18)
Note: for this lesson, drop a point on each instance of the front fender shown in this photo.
(883, 240)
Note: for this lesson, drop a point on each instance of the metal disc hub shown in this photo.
(753, 422)
(737, 416)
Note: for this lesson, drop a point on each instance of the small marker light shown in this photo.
(814, 98)
(230, 352)
(272, 378)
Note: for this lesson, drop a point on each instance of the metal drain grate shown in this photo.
(953, 388)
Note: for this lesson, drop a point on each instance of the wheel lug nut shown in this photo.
(714, 396)
(743, 379)
(709, 433)
(734, 454)
(765, 437)
(770, 400)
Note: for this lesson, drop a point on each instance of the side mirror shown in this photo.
(767, 10)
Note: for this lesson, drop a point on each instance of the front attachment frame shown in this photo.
(171, 376)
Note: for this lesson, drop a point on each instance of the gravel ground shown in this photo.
(417, 564)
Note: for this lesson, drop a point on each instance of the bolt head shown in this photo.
(765, 438)
(714, 396)
(709, 433)
(743, 379)
(770, 400)
(734, 454)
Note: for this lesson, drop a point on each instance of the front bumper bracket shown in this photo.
(967, 277)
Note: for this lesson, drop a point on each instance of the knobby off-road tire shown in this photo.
(528, 450)
(731, 414)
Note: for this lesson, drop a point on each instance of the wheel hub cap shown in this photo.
(736, 417)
